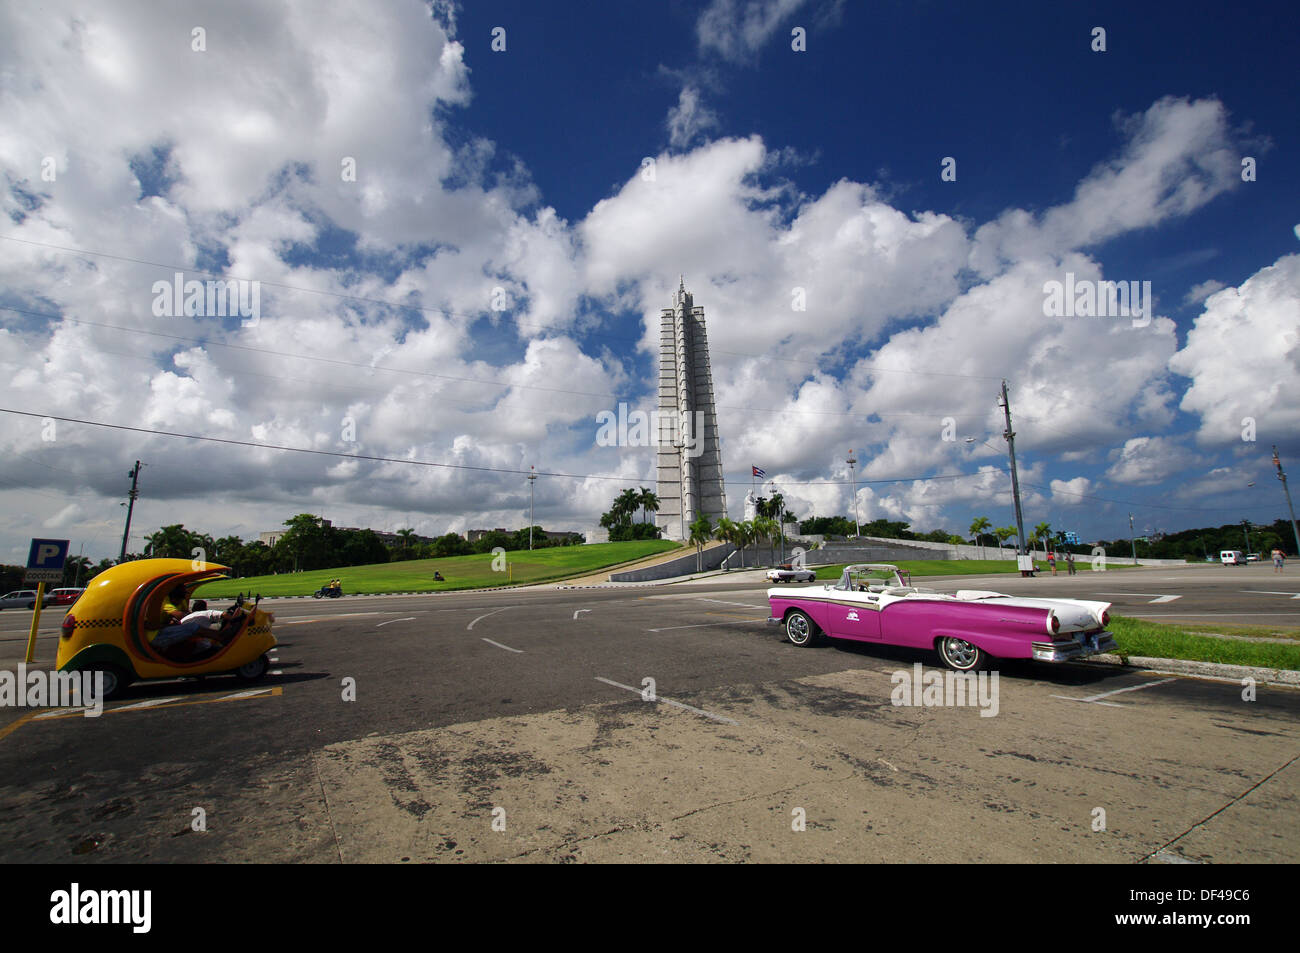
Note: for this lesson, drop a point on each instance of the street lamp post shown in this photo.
(1132, 541)
(852, 461)
(1245, 529)
(1291, 509)
(135, 492)
(1010, 436)
(532, 475)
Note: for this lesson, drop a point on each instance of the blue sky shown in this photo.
(521, 170)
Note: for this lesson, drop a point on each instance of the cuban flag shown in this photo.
(757, 471)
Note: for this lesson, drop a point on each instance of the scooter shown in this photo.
(333, 592)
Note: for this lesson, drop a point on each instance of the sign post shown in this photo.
(44, 564)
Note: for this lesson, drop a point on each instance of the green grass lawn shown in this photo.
(459, 572)
(1159, 640)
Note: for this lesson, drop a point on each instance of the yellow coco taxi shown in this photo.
(112, 626)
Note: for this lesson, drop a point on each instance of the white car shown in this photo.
(24, 599)
(791, 573)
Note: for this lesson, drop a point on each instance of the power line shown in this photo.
(630, 481)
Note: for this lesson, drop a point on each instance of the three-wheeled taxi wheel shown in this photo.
(252, 671)
(115, 680)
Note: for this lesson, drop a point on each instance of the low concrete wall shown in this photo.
(683, 565)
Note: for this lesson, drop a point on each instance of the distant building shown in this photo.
(474, 535)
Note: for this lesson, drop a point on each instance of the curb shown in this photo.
(1170, 666)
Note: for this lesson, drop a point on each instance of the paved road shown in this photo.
(524, 710)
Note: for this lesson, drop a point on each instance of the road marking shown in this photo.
(1158, 596)
(669, 701)
(148, 704)
(486, 614)
(575, 615)
(1270, 592)
(409, 618)
(722, 602)
(506, 647)
(157, 705)
(247, 694)
(1094, 698)
(702, 625)
(16, 724)
(303, 620)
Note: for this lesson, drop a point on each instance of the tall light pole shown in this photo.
(532, 475)
(1291, 509)
(852, 461)
(1245, 529)
(135, 492)
(1009, 436)
(1131, 541)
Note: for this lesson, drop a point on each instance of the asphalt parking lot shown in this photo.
(520, 725)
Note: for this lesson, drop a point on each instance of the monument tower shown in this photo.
(690, 466)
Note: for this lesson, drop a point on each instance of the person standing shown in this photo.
(1051, 561)
(1279, 558)
(1069, 562)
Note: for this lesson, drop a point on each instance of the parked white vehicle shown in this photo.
(791, 573)
(1232, 557)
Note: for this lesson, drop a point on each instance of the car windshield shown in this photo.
(871, 576)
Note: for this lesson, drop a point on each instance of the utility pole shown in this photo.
(1245, 529)
(1132, 542)
(532, 475)
(135, 492)
(1282, 476)
(1010, 436)
(852, 461)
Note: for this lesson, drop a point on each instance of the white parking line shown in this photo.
(300, 620)
(575, 614)
(149, 704)
(1270, 592)
(506, 647)
(1158, 597)
(409, 618)
(1094, 698)
(247, 694)
(485, 615)
(723, 602)
(669, 701)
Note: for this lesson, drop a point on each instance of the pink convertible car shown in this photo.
(966, 628)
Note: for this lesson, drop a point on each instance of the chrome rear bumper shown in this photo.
(1080, 646)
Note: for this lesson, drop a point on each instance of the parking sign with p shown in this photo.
(45, 560)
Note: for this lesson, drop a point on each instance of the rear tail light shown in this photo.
(1105, 618)
(1054, 623)
(69, 623)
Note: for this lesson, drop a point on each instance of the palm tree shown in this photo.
(977, 529)
(406, 535)
(725, 531)
(1043, 532)
(744, 536)
(649, 502)
(701, 533)
(625, 504)
(765, 526)
(1003, 533)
